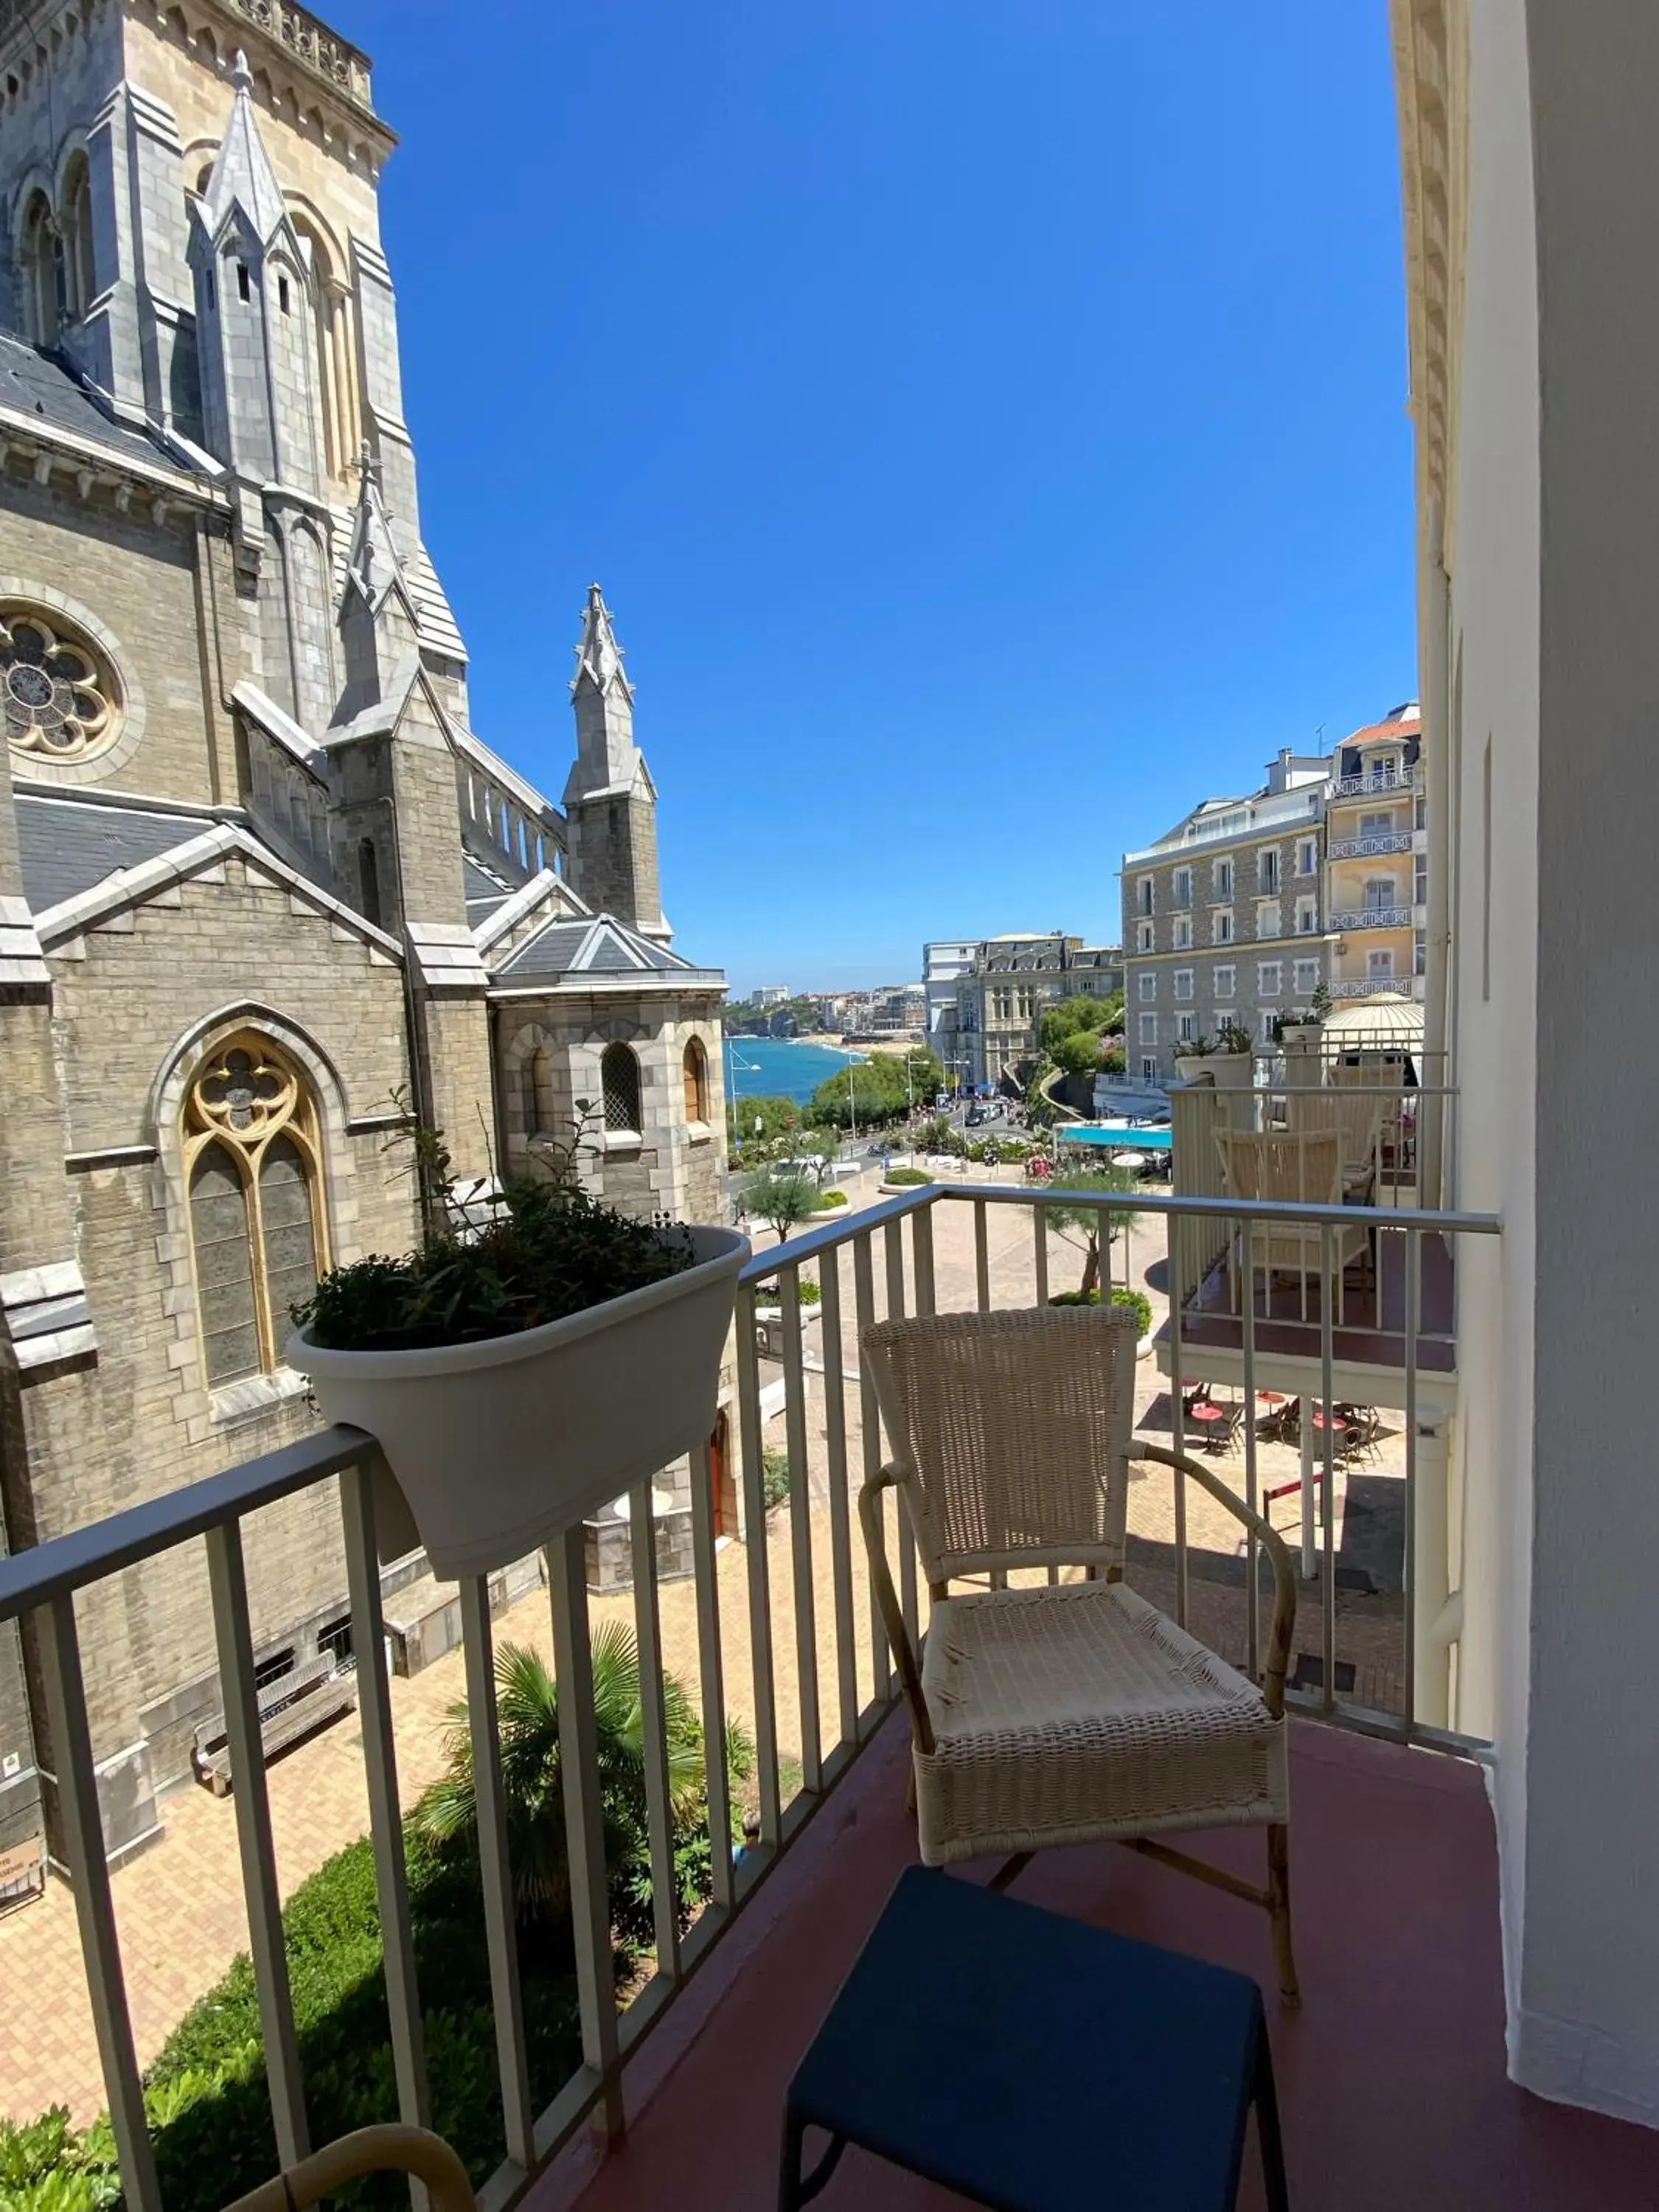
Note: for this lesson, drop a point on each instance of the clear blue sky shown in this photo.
(988, 421)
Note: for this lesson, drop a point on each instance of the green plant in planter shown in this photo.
(1233, 1036)
(906, 1178)
(1136, 1301)
(829, 1200)
(1197, 1048)
(542, 1250)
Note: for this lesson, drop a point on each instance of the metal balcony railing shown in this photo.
(1372, 917)
(1370, 848)
(1372, 986)
(879, 1262)
(1373, 780)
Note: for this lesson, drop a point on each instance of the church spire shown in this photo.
(610, 802)
(598, 656)
(242, 175)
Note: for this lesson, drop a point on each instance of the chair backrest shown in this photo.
(1357, 1115)
(1298, 1169)
(1013, 1430)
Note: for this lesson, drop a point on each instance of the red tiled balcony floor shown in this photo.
(1391, 2077)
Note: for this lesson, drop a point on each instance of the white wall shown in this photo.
(1555, 598)
(1590, 2023)
(1494, 643)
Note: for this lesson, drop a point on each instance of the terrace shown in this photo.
(1394, 1846)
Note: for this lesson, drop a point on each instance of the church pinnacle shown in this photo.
(598, 656)
(242, 175)
(610, 802)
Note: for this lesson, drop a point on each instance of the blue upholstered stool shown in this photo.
(1036, 2064)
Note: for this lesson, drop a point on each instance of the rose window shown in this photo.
(60, 697)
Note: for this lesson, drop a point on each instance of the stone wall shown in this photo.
(133, 587)
(139, 1003)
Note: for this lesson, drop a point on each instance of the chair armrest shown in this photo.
(1284, 1627)
(892, 1615)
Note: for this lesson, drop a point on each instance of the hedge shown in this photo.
(1140, 1304)
(207, 2095)
(829, 1199)
(906, 1176)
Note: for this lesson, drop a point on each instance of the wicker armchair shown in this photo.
(1073, 1712)
(388, 2146)
(1301, 1169)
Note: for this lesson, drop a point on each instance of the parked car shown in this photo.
(975, 1117)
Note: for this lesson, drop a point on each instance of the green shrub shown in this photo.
(767, 1294)
(776, 1478)
(547, 1250)
(808, 1291)
(1138, 1303)
(906, 1176)
(206, 2095)
(829, 1200)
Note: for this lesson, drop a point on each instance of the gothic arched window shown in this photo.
(41, 268)
(697, 1081)
(253, 1170)
(76, 226)
(619, 1081)
(540, 1111)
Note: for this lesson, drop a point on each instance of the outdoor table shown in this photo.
(1035, 2063)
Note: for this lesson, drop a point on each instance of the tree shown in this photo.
(1088, 1219)
(782, 1201)
(532, 1776)
(1065, 1017)
(1079, 1053)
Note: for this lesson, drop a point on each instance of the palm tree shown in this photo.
(527, 1696)
(1087, 1219)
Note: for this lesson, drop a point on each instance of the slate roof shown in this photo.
(35, 383)
(570, 950)
(68, 845)
(484, 891)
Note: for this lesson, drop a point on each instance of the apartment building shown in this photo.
(1377, 860)
(1223, 918)
(992, 1022)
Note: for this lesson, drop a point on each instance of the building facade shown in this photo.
(266, 898)
(1224, 920)
(1377, 857)
(985, 1022)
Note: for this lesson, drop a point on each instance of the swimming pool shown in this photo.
(1118, 1140)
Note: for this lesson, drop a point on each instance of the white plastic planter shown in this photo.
(497, 1446)
(1226, 1071)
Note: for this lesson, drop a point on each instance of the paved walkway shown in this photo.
(179, 1905)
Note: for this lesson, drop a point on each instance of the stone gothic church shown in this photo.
(260, 879)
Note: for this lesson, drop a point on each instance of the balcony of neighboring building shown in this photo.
(1378, 778)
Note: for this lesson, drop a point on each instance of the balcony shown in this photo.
(1373, 917)
(1372, 986)
(1370, 848)
(1396, 1904)
(1371, 781)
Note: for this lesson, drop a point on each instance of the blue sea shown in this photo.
(778, 1068)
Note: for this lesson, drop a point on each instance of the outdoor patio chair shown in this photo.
(1357, 1115)
(1299, 1170)
(1074, 1712)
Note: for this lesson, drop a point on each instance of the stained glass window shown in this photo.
(252, 1157)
